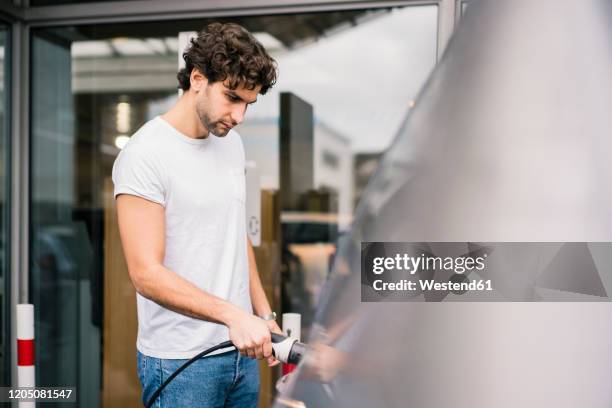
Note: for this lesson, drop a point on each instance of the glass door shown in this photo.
(63, 282)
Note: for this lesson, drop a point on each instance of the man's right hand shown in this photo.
(251, 335)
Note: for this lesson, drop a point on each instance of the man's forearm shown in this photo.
(249, 334)
(170, 290)
(259, 300)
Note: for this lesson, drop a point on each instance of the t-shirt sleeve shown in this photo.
(137, 173)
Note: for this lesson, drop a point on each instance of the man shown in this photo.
(180, 190)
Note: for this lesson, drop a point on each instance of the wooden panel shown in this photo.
(267, 256)
(120, 387)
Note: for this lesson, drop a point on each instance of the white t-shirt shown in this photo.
(201, 184)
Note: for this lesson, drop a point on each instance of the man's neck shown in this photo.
(184, 118)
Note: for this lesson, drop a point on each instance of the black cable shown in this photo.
(225, 344)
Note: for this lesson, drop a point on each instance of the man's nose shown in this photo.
(238, 114)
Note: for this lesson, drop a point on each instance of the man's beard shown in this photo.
(212, 127)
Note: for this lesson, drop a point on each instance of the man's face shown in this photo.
(221, 108)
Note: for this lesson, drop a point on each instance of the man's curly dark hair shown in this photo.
(229, 51)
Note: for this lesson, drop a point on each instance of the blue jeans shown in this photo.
(222, 380)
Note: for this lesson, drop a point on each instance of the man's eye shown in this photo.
(233, 98)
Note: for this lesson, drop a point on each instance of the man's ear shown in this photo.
(197, 80)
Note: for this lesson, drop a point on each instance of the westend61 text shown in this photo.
(429, 285)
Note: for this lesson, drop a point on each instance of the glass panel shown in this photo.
(361, 80)
(64, 235)
(94, 86)
(5, 287)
